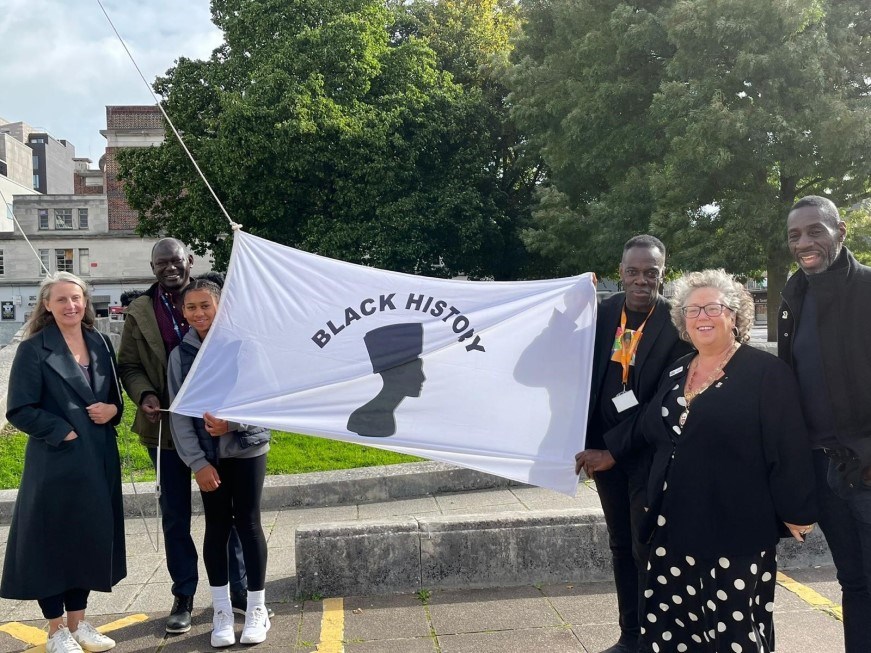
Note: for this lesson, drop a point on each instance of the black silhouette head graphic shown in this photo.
(394, 352)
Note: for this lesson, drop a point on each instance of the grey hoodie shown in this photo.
(183, 431)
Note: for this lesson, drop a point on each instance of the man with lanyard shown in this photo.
(822, 332)
(635, 342)
(153, 327)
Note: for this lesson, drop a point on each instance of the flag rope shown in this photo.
(233, 225)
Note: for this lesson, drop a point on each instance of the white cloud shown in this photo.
(61, 63)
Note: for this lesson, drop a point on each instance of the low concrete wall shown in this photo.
(408, 554)
(517, 548)
(337, 488)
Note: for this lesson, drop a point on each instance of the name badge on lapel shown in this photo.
(675, 371)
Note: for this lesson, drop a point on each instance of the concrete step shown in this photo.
(473, 551)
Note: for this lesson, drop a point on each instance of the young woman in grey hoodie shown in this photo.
(229, 463)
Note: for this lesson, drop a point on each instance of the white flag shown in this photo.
(493, 376)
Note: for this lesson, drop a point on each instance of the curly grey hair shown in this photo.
(735, 296)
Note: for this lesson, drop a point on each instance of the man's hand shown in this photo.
(593, 460)
(799, 531)
(101, 413)
(151, 408)
(72, 435)
(207, 478)
(215, 426)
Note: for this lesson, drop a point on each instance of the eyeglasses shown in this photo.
(711, 310)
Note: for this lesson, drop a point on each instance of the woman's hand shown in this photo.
(208, 479)
(799, 531)
(101, 413)
(214, 426)
(72, 435)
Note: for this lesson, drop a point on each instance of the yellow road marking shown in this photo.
(36, 637)
(332, 627)
(811, 597)
(24, 633)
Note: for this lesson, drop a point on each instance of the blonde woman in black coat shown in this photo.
(67, 532)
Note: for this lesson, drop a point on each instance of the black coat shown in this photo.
(660, 346)
(843, 295)
(740, 467)
(68, 525)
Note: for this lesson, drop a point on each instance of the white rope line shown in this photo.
(154, 541)
(233, 225)
(21, 229)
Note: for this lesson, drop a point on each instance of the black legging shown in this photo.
(73, 600)
(236, 502)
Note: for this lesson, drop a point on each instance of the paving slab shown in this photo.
(475, 611)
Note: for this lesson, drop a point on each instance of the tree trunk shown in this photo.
(778, 267)
(778, 258)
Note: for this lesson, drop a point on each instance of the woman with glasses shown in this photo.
(731, 471)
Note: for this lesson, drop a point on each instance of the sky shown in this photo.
(62, 64)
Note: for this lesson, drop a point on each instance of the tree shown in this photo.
(320, 129)
(472, 40)
(699, 120)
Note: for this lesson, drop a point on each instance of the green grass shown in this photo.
(289, 453)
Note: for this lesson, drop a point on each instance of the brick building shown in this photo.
(126, 126)
(89, 230)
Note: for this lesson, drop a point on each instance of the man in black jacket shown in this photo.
(635, 342)
(823, 329)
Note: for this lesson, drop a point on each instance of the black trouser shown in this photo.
(845, 519)
(236, 502)
(175, 512)
(622, 494)
(72, 600)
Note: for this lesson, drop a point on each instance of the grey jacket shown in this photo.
(184, 433)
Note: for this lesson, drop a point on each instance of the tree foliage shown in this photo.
(349, 128)
(698, 120)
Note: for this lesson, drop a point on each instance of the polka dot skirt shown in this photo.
(703, 604)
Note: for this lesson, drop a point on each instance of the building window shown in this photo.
(2, 263)
(35, 163)
(83, 219)
(45, 263)
(43, 218)
(63, 218)
(35, 182)
(84, 262)
(64, 259)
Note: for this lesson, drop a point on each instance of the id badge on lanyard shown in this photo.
(628, 346)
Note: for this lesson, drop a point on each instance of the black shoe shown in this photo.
(239, 600)
(179, 620)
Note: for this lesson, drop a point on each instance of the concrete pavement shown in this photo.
(551, 616)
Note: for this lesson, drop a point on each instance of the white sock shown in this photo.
(256, 598)
(221, 598)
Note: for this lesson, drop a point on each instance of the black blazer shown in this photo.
(740, 467)
(660, 345)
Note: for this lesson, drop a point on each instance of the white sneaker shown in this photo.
(62, 642)
(91, 640)
(256, 625)
(222, 629)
